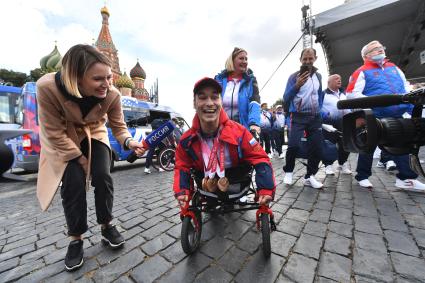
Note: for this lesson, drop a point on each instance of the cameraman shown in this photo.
(379, 76)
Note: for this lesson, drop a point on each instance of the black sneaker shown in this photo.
(74, 255)
(112, 236)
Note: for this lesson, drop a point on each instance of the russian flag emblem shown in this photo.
(253, 142)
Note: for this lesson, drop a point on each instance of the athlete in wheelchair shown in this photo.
(215, 160)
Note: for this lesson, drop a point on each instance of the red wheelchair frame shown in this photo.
(202, 201)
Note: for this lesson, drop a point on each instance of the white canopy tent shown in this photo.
(397, 24)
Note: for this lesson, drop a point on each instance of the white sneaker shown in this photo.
(365, 183)
(270, 155)
(329, 170)
(288, 178)
(160, 169)
(282, 156)
(410, 185)
(147, 170)
(377, 153)
(380, 164)
(243, 199)
(312, 182)
(346, 168)
(390, 166)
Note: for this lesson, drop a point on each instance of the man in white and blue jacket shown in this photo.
(304, 96)
(266, 124)
(333, 116)
(379, 76)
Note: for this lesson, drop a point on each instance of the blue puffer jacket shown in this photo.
(248, 97)
(378, 81)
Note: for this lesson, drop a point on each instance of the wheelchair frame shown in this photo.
(222, 203)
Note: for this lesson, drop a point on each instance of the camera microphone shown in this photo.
(371, 101)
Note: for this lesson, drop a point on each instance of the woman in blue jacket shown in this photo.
(240, 95)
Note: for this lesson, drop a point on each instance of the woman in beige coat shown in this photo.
(73, 106)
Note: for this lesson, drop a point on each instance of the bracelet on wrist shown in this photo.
(127, 142)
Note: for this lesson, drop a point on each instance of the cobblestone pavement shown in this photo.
(342, 233)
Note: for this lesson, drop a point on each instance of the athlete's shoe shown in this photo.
(365, 183)
(312, 182)
(410, 185)
(287, 179)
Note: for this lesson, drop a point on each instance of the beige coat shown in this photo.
(62, 128)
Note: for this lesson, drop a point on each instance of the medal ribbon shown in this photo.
(212, 157)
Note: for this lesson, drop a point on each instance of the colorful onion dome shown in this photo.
(124, 81)
(52, 61)
(138, 72)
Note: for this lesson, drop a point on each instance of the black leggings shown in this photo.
(73, 191)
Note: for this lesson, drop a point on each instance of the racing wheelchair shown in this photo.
(240, 185)
(164, 156)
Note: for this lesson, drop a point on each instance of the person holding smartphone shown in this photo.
(304, 98)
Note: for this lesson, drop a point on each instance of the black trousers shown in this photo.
(279, 139)
(336, 139)
(312, 124)
(265, 138)
(73, 190)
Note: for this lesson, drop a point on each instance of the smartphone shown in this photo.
(305, 68)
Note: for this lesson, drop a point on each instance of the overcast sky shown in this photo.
(177, 42)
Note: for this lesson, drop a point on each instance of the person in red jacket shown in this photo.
(214, 143)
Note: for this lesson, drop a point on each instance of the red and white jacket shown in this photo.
(243, 148)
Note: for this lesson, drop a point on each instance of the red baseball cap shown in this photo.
(204, 82)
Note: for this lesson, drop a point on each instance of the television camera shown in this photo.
(362, 131)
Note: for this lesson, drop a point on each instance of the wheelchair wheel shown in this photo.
(155, 159)
(265, 231)
(190, 236)
(167, 159)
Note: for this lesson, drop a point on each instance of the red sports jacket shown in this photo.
(243, 148)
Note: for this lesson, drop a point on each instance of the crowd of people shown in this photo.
(310, 107)
(73, 105)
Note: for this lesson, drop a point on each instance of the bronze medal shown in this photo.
(223, 184)
(212, 185)
(204, 184)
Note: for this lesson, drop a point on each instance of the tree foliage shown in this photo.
(35, 74)
(15, 78)
(278, 102)
(18, 79)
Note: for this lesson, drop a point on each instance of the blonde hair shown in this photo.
(75, 64)
(229, 62)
